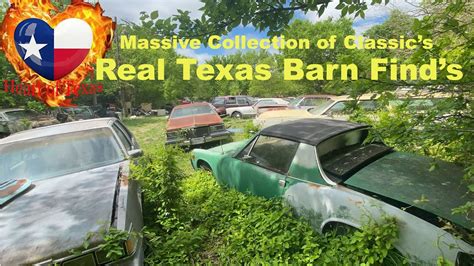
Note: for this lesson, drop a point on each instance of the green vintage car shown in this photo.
(333, 174)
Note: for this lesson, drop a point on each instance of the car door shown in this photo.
(264, 166)
(242, 101)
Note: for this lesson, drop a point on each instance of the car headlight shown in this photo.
(219, 127)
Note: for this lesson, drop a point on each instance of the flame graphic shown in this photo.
(48, 91)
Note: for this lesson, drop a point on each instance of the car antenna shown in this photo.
(220, 144)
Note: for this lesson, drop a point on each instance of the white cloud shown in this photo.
(130, 10)
(201, 57)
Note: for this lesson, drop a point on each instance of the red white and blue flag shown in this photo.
(53, 53)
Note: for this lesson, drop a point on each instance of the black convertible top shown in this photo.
(311, 130)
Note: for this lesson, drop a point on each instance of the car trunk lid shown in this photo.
(415, 181)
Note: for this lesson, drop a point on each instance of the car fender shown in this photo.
(418, 239)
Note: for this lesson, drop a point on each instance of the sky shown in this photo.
(130, 11)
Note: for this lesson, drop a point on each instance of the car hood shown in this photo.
(193, 121)
(55, 216)
(407, 178)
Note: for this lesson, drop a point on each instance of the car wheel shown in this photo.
(338, 229)
(237, 115)
(204, 166)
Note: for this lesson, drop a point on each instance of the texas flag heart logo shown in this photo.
(53, 53)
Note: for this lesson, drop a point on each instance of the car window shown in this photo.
(123, 138)
(273, 153)
(231, 100)
(266, 102)
(22, 114)
(313, 101)
(368, 105)
(338, 108)
(218, 101)
(318, 110)
(294, 102)
(192, 110)
(242, 101)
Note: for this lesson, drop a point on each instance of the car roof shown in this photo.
(191, 105)
(311, 130)
(59, 129)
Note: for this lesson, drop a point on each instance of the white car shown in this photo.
(332, 108)
(258, 107)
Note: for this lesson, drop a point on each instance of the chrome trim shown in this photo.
(320, 167)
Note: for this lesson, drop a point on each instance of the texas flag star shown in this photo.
(33, 48)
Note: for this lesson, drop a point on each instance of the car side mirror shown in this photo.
(135, 153)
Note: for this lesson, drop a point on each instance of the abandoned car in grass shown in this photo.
(335, 174)
(65, 185)
(195, 124)
(15, 120)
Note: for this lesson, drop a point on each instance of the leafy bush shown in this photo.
(250, 129)
(160, 177)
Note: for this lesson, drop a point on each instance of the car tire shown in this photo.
(339, 229)
(237, 115)
(204, 166)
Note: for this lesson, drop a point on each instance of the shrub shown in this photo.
(193, 220)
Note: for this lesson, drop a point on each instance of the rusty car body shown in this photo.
(195, 124)
(77, 186)
(15, 120)
(331, 173)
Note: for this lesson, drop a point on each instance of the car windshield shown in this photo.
(192, 110)
(21, 114)
(343, 155)
(80, 111)
(319, 109)
(58, 155)
(294, 102)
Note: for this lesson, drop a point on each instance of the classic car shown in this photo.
(194, 124)
(262, 105)
(65, 185)
(335, 174)
(109, 111)
(68, 114)
(333, 107)
(221, 103)
(336, 108)
(308, 101)
(14, 120)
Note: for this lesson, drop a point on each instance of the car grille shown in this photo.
(198, 132)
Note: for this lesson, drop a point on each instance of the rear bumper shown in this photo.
(215, 136)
